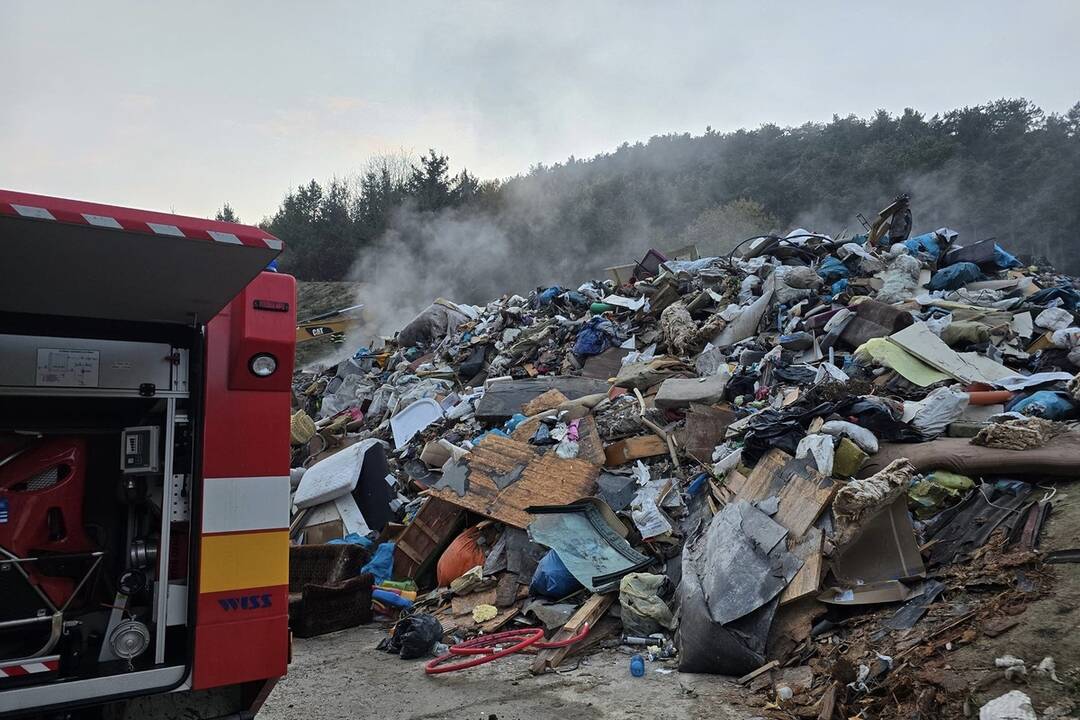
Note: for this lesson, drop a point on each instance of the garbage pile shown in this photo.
(811, 464)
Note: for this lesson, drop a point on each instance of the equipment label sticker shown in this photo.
(58, 367)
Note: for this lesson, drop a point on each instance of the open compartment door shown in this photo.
(78, 259)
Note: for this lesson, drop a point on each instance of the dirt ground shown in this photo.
(1050, 626)
(341, 675)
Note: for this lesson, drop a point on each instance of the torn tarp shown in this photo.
(732, 576)
(591, 550)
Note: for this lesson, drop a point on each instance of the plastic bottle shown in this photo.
(637, 666)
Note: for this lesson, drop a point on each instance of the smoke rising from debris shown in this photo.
(472, 256)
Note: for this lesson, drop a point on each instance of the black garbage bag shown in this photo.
(414, 636)
(881, 417)
(781, 429)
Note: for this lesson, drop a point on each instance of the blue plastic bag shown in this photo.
(552, 579)
(927, 243)
(511, 425)
(381, 564)
(1004, 260)
(839, 286)
(1046, 404)
(595, 337)
(833, 269)
(352, 539)
(548, 296)
(578, 299)
(955, 276)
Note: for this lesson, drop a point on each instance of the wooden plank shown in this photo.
(808, 580)
(590, 446)
(590, 612)
(803, 492)
(643, 446)
(546, 479)
(545, 401)
(760, 671)
(464, 604)
(705, 428)
(828, 702)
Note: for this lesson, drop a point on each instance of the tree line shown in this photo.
(1004, 169)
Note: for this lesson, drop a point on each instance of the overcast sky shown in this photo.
(185, 105)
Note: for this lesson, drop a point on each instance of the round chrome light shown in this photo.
(263, 364)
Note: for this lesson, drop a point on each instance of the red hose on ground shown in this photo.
(483, 649)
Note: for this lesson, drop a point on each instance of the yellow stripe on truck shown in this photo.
(236, 561)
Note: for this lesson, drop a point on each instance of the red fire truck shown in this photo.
(145, 368)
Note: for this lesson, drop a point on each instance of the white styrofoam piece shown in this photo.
(332, 477)
(413, 419)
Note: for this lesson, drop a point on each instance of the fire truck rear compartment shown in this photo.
(86, 477)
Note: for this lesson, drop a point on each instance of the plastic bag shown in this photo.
(793, 283)
(820, 447)
(643, 610)
(595, 337)
(954, 276)
(381, 564)
(462, 554)
(1004, 260)
(832, 269)
(937, 323)
(1066, 338)
(900, 279)
(937, 491)
(1054, 319)
(927, 243)
(414, 636)
(941, 407)
(1046, 404)
(552, 579)
(859, 435)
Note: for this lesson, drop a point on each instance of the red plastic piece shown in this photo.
(49, 519)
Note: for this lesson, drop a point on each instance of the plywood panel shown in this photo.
(546, 479)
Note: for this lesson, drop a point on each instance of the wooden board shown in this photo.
(323, 532)
(808, 580)
(589, 612)
(590, 446)
(803, 492)
(546, 479)
(463, 605)
(436, 524)
(630, 449)
(545, 401)
(705, 428)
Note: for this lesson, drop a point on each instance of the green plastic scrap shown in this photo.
(937, 491)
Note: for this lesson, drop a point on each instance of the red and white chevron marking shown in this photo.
(41, 665)
(40, 207)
